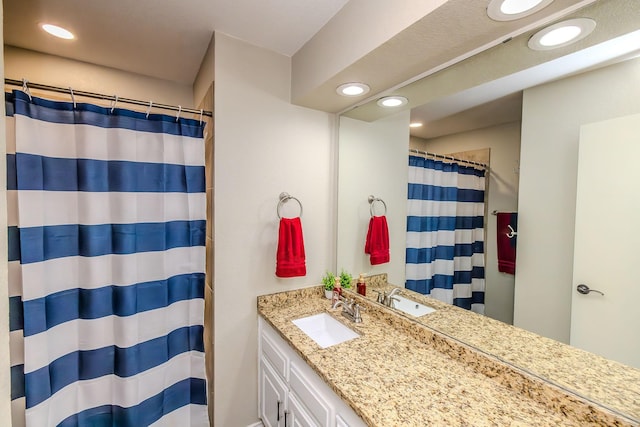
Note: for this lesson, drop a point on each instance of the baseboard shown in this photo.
(258, 424)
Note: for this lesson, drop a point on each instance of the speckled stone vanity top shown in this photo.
(610, 384)
(402, 373)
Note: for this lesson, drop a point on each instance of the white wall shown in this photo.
(206, 73)
(263, 146)
(373, 161)
(504, 142)
(57, 71)
(552, 116)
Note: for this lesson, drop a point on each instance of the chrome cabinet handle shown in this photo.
(285, 418)
(278, 416)
(584, 290)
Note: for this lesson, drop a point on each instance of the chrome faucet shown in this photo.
(388, 299)
(350, 309)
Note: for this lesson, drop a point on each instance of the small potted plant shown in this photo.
(345, 279)
(328, 280)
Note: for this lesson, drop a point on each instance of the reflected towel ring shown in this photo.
(376, 199)
(284, 198)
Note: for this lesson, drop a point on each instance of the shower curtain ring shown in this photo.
(114, 103)
(25, 88)
(179, 111)
(73, 97)
(149, 109)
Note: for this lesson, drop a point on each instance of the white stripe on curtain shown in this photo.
(107, 219)
(445, 232)
(111, 270)
(78, 141)
(104, 208)
(122, 392)
(116, 331)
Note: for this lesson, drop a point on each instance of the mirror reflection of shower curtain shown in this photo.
(107, 266)
(445, 232)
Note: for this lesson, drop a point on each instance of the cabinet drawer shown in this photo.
(298, 413)
(274, 355)
(315, 403)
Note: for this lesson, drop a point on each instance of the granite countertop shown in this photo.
(402, 373)
(595, 378)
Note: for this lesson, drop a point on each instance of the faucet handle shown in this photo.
(382, 296)
(392, 300)
(356, 313)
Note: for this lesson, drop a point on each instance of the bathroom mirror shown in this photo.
(373, 157)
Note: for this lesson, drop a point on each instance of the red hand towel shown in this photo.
(506, 245)
(377, 244)
(290, 259)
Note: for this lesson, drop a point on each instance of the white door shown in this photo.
(607, 241)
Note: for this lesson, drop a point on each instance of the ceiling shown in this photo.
(166, 39)
(435, 67)
(485, 89)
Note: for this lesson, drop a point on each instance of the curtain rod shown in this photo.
(441, 156)
(40, 86)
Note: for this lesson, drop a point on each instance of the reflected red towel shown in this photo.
(506, 245)
(377, 244)
(290, 259)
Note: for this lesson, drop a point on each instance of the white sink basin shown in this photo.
(411, 307)
(325, 330)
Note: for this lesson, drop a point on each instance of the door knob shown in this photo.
(584, 289)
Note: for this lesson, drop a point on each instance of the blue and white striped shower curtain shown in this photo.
(445, 232)
(107, 223)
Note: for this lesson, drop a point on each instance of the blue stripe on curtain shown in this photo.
(16, 316)
(61, 174)
(428, 255)
(122, 362)
(190, 391)
(17, 382)
(431, 223)
(450, 188)
(444, 194)
(14, 243)
(45, 243)
(182, 344)
(9, 98)
(424, 286)
(422, 162)
(45, 313)
(94, 115)
(12, 183)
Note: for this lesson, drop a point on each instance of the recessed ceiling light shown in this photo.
(509, 10)
(415, 125)
(59, 32)
(392, 101)
(562, 34)
(352, 89)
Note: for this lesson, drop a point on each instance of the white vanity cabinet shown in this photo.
(290, 393)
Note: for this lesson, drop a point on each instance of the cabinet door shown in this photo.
(297, 414)
(305, 388)
(340, 422)
(273, 394)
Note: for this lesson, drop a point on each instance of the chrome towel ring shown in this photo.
(373, 199)
(284, 198)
